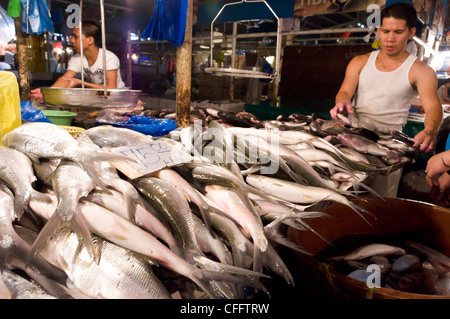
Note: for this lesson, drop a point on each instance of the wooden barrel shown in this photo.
(426, 223)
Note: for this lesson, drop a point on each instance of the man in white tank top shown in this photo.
(379, 87)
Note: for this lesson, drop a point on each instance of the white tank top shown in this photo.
(383, 99)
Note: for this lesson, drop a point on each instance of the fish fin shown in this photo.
(282, 240)
(358, 209)
(20, 202)
(94, 175)
(34, 158)
(81, 229)
(275, 263)
(218, 271)
(50, 227)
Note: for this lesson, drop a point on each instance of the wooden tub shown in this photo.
(422, 222)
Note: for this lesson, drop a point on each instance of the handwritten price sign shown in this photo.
(149, 157)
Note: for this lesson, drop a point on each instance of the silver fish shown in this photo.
(70, 183)
(301, 194)
(371, 250)
(364, 145)
(146, 217)
(22, 288)
(232, 204)
(174, 207)
(110, 136)
(45, 140)
(122, 232)
(16, 172)
(120, 274)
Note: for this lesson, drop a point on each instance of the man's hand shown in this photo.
(441, 198)
(425, 140)
(73, 82)
(36, 95)
(342, 107)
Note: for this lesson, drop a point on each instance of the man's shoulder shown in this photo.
(422, 68)
(362, 57)
(111, 54)
(360, 61)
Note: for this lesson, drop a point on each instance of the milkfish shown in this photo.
(371, 250)
(146, 217)
(16, 172)
(110, 136)
(120, 273)
(14, 252)
(232, 204)
(177, 181)
(296, 193)
(174, 208)
(46, 140)
(242, 248)
(111, 178)
(120, 231)
(22, 288)
(364, 145)
(70, 183)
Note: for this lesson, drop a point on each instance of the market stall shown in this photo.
(200, 202)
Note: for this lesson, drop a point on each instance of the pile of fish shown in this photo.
(77, 226)
(408, 267)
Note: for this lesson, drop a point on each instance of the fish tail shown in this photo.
(131, 197)
(273, 261)
(369, 189)
(23, 251)
(89, 168)
(358, 209)
(259, 247)
(212, 270)
(4, 291)
(50, 227)
(20, 203)
(81, 229)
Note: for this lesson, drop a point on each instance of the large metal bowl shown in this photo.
(90, 97)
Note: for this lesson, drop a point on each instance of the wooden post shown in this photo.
(233, 61)
(184, 73)
(22, 61)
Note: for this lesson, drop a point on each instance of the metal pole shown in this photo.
(102, 12)
(130, 61)
(81, 44)
(184, 73)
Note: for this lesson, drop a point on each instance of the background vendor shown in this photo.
(379, 87)
(93, 63)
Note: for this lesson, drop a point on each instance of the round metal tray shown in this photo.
(90, 97)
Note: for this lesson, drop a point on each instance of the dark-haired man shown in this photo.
(93, 63)
(379, 87)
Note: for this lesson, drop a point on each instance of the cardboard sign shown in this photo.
(149, 157)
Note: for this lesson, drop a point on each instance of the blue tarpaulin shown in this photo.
(36, 17)
(168, 22)
(145, 125)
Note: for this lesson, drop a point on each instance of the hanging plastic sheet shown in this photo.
(7, 29)
(168, 22)
(36, 17)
